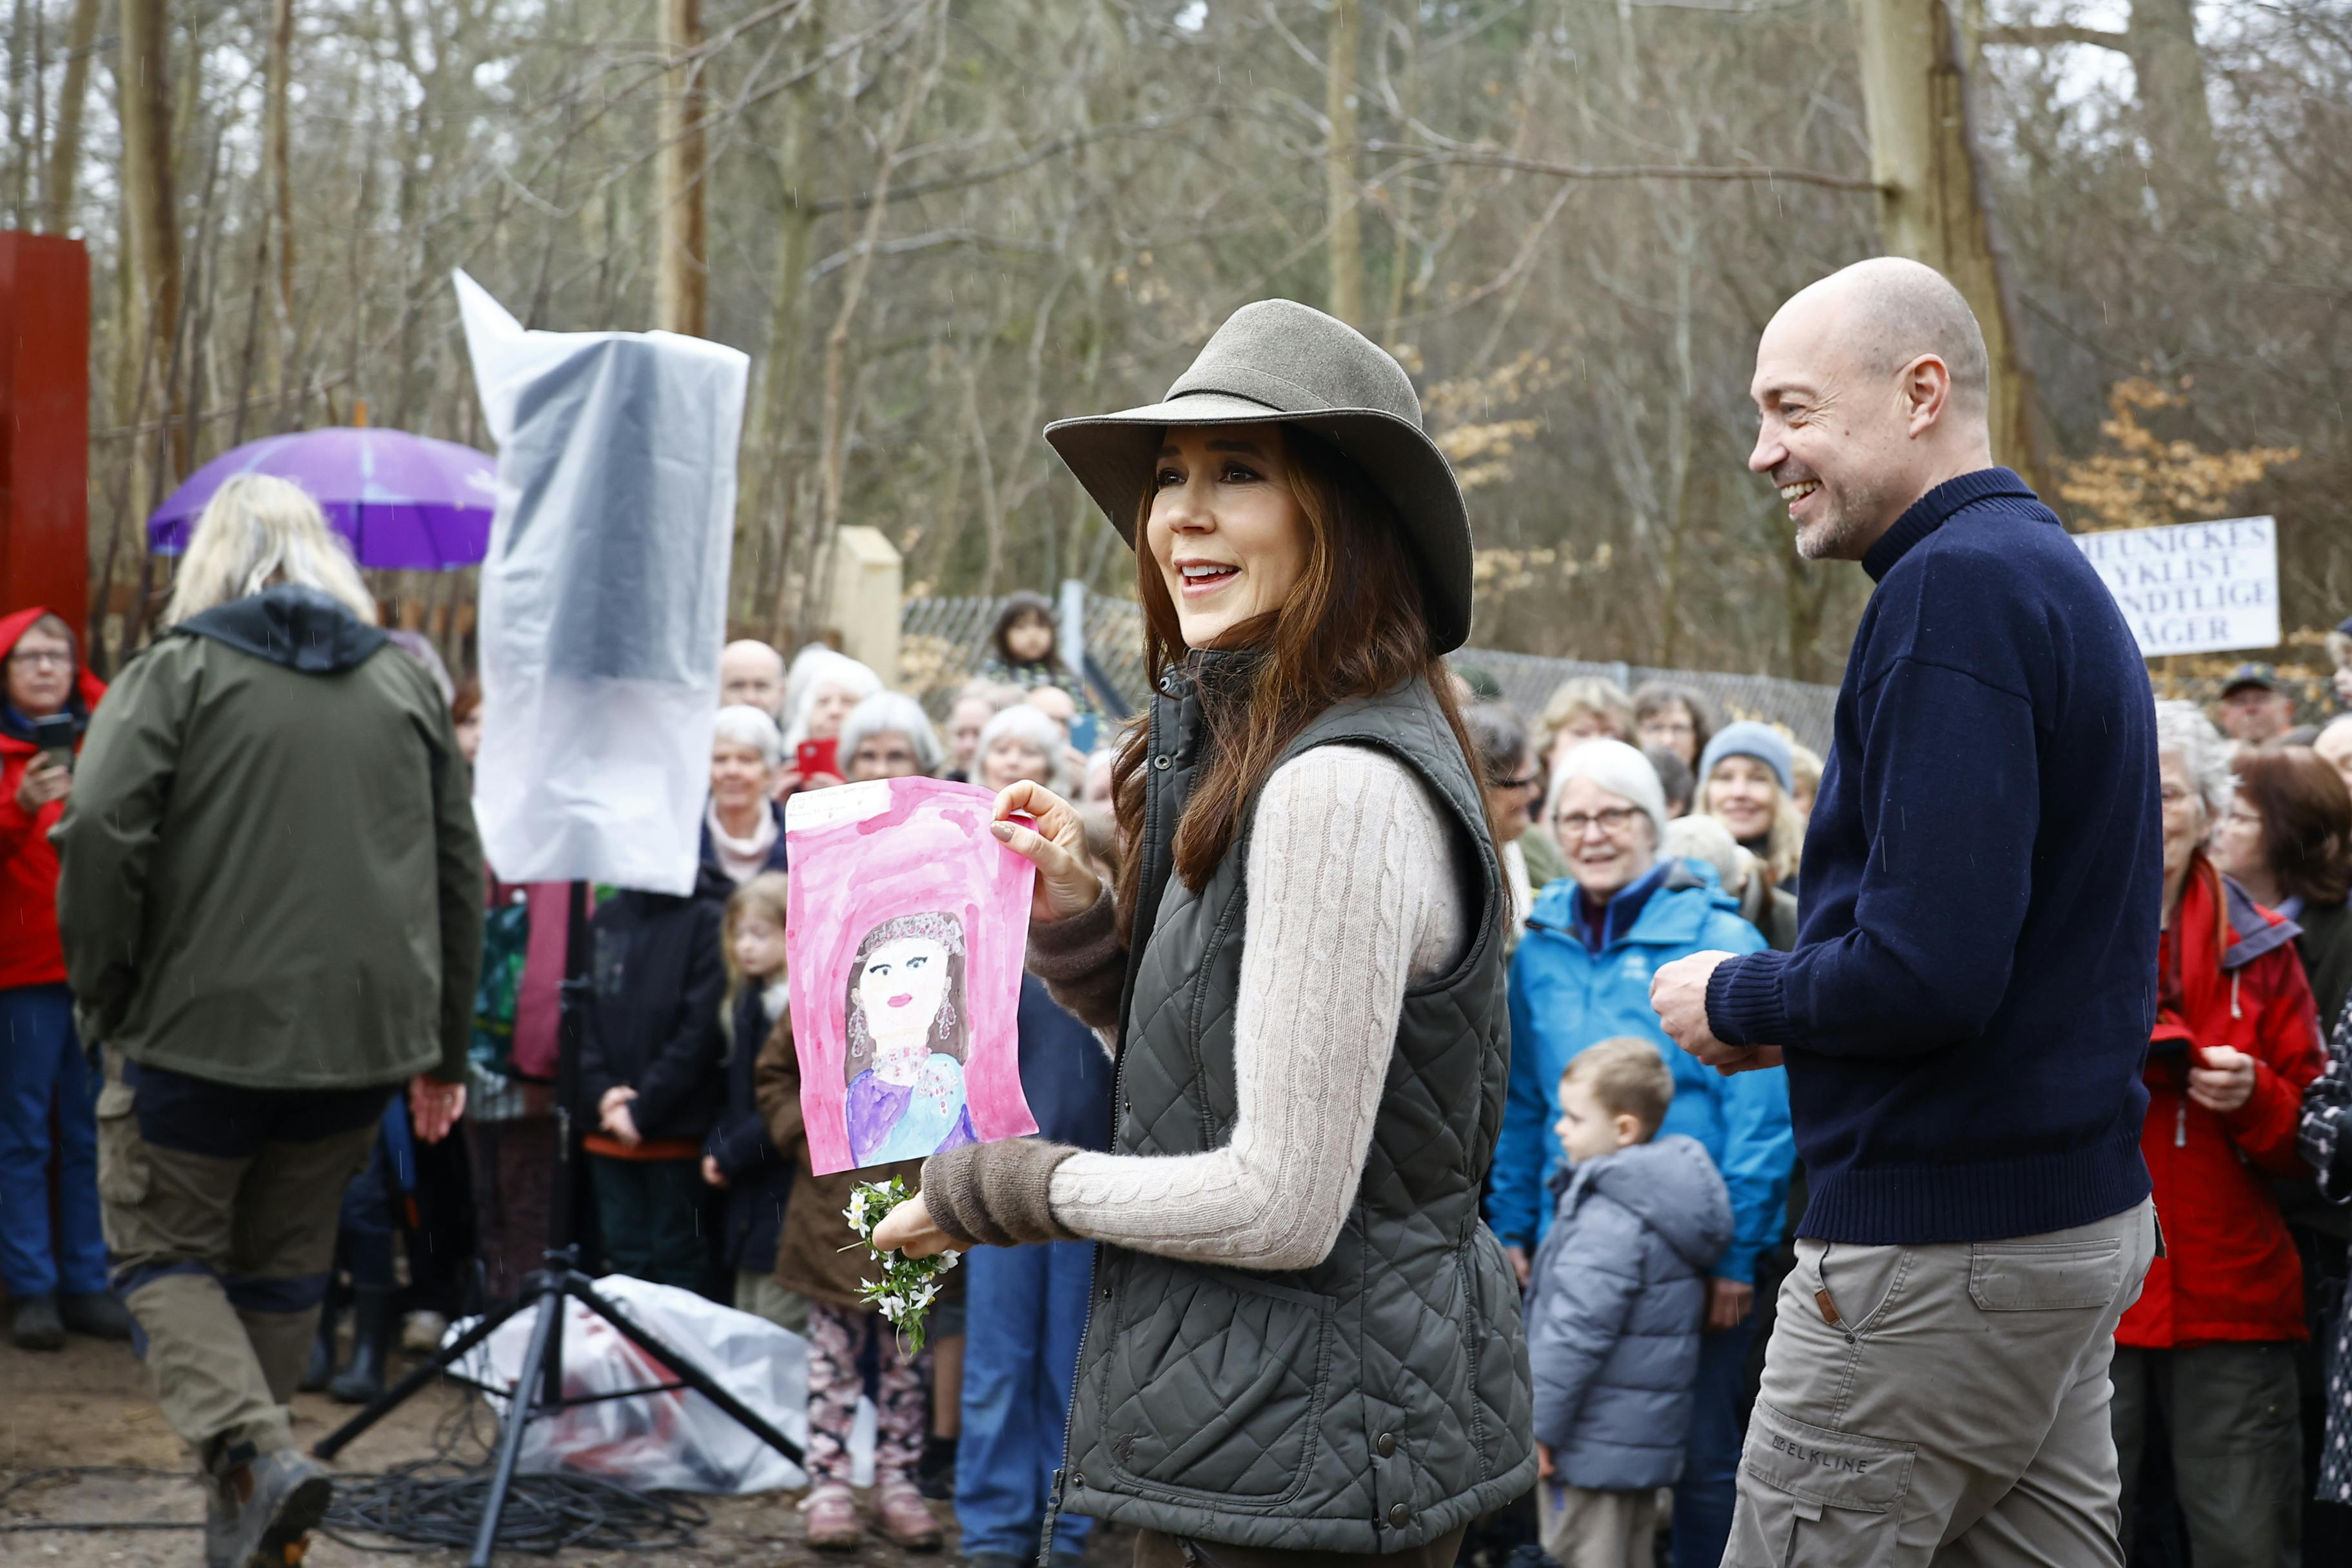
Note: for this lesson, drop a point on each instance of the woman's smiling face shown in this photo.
(1742, 792)
(902, 987)
(1226, 529)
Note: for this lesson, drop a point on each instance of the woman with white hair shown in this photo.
(1581, 975)
(1022, 743)
(889, 736)
(2210, 1342)
(742, 828)
(271, 907)
(822, 690)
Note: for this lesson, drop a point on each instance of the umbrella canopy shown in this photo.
(404, 502)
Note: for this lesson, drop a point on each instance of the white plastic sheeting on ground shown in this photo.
(603, 595)
(676, 1441)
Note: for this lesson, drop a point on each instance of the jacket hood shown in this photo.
(298, 628)
(1673, 915)
(2253, 930)
(15, 740)
(1672, 1185)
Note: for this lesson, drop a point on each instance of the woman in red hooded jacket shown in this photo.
(2210, 1340)
(54, 1283)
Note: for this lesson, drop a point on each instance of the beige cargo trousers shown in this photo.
(1943, 1404)
(220, 1211)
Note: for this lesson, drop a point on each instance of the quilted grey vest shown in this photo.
(1378, 1399)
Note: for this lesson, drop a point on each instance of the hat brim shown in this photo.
(1111, 455)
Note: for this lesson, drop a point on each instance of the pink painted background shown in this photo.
(861, 854)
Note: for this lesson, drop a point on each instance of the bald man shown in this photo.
(751, 674)
(1968, 1004)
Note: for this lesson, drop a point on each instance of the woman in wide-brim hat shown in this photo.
(1301, 1337)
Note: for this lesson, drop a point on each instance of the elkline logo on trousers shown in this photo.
(1819, 1457)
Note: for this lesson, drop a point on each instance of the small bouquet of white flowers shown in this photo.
(909, 1285)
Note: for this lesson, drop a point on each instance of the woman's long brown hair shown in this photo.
(1355, 626)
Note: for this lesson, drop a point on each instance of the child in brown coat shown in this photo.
(819, 1256)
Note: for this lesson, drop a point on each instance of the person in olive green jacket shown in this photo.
(270, 900)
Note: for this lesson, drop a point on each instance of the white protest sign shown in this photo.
(2193, 587)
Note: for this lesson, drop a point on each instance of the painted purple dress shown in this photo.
(890, 1122)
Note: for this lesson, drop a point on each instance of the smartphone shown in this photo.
(1083, 729)
(54, 734)
(818, 757)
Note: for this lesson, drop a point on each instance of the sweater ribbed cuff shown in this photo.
(1076, 948)
(996, 1194)
(1743, 1001)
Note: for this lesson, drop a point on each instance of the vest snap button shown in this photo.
(1399, 1514)
(1387, 1444)
(1161, 762)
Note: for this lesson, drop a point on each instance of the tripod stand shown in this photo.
(538, 1388)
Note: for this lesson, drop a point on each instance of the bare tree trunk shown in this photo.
(762, 495)
(278, 147)
(680, 282)
(1346, 242)
(146, 111)
(2173, 109)
(64, 152)
(831, 455)
(1934, 203)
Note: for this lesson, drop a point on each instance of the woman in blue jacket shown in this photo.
(1581, 975)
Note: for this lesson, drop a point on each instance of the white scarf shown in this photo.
(741, 858)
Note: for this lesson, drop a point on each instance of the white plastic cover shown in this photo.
(677, 1441)
(604, 594)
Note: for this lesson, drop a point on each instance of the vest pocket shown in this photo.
(1813, 1498)
(1217, 1383)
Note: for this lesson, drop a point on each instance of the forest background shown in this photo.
(936, 224)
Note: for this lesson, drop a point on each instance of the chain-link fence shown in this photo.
(944, 641)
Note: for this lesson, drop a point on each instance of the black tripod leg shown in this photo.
(335, 1442)
(685, 1370)
(516, 1422)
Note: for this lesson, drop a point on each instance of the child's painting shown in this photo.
(904, 935)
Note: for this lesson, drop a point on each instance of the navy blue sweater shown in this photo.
(1967, 1006)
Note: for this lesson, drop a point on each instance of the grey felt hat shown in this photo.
(1278, 361)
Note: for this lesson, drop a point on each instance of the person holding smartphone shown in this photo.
(56, 1276)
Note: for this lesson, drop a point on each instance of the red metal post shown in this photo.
(45, 425)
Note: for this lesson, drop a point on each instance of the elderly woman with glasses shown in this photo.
(1581, 975)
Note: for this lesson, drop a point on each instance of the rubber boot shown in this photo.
(320, 1369)
(361, 1380)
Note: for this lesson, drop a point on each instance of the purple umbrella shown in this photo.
(404, 502)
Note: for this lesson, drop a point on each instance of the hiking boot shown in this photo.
(34, 1324)
(832, 1522)
(905, 1517)
(934, 1472)
(361, 1380)
(99, 1314)
(288, 1499)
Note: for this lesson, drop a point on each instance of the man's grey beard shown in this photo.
(1834, 538)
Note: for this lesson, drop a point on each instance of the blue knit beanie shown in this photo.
(1750, 739)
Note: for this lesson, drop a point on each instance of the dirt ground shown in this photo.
(89, 1404)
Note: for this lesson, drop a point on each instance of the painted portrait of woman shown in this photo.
(909, 1033)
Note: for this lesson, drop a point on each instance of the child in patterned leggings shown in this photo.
(811, 1260)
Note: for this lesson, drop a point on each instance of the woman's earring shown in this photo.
(947, 1017)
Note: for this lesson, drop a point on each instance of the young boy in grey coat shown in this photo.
(1616, 1298)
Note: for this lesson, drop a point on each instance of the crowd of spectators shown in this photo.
(1634, 828)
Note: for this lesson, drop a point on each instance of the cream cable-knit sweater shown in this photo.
(1354, 894)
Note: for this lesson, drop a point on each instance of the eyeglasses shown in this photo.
(1612, 820)
(53, 657)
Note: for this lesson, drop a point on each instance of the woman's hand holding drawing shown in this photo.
(1056, 842)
